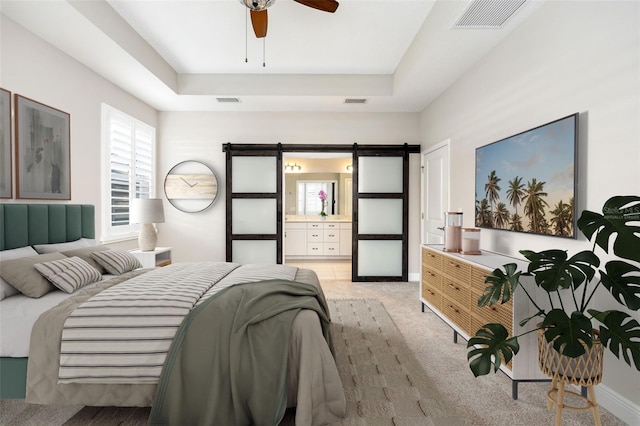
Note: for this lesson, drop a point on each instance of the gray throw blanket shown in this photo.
(228, 362)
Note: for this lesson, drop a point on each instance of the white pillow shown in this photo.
(58, 247)
(116, 262)
(7, 289)
(69, 274)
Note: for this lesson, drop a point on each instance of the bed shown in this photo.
(313, 384)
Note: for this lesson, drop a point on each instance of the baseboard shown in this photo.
(618, 405)
(414, 276)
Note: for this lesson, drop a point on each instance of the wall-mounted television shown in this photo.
(527, 182)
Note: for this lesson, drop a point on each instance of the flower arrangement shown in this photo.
(323, 198)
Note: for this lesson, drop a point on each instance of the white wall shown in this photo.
(33, 68)
(200, 136)
(569, 57)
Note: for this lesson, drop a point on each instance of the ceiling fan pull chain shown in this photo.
(246, 37)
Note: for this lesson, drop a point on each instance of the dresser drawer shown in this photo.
(476, 324)
(456, 269)
(314, 225)
(478, 276)
(331, 249)
(331, 235)
(456, 291)
(315, 236)
(456, 313)
(432, 258)
(431, 278)
(331, 226)
(502, 313)
(315, 249)
(432, 296)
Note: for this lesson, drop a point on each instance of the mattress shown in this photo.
(19, 313)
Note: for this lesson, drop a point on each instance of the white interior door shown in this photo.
(435, 192)
(348, 197)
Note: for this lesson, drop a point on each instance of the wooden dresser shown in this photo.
(451, 285)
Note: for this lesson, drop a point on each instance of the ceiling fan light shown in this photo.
(257, 5)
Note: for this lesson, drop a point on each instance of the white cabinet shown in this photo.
(317, 239)
(345, 239)
(295, 239)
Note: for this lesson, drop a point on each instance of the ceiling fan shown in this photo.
(259, 18)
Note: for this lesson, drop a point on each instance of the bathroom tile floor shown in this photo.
(339, 269)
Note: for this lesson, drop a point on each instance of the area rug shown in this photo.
(383, 383)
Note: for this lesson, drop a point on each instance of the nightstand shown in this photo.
(161, 256)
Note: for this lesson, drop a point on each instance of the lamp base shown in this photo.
(148, 237)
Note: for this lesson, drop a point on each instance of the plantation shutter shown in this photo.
(131, 163)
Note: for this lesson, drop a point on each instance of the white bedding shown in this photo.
(19, 313)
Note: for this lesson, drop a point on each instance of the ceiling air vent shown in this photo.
(488, 13)
(355, 101)
(228, 100)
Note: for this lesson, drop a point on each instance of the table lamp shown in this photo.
(147, 211)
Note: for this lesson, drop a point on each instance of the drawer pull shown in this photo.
(331, 235)
(455, 265)
(494, 309)
(454, 287)
(432, 274)
(454, 309)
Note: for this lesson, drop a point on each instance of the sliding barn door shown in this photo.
(254, 204)
(380, 214)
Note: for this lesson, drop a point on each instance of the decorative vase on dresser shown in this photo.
(450, 286)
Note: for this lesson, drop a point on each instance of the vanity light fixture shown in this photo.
(292, 167)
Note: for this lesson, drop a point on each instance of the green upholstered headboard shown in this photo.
(28, 224)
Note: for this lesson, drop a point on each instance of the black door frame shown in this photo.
(265, 150)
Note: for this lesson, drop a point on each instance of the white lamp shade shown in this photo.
(147, 210)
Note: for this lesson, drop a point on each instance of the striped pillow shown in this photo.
(68, 274)
(116, 262)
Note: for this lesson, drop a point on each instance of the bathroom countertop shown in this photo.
(335, 218)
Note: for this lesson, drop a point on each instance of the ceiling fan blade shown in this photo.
(323, 5)
(260, 21)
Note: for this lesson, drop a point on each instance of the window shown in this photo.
(309, 202)
(128, 169)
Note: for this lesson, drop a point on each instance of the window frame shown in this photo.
(110, 232)
(331, 190)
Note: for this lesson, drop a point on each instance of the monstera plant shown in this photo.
(570, 284)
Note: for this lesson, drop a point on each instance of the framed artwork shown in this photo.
(6, 185)
(527, 182)
(43, 157)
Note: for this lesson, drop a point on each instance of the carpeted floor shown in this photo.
(449, 393)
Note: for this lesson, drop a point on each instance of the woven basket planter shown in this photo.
(585, 370)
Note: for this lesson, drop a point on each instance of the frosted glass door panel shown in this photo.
(251, 251)
(380, 258)
(380, 174)
(253, 174)
(254, 216)
(379, 216)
